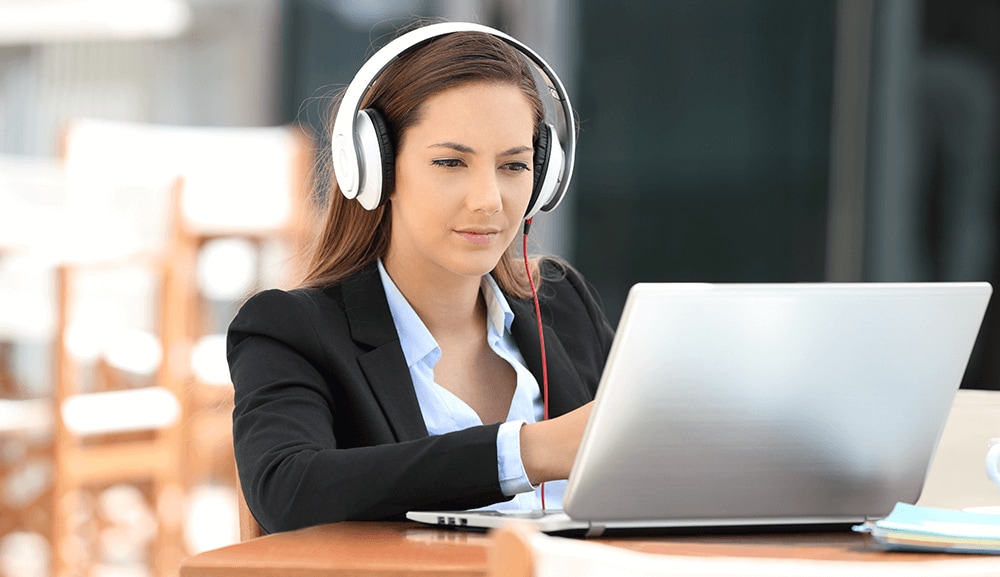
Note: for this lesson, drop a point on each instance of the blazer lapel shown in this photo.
(566, 391)
(384, 366)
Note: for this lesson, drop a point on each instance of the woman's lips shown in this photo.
(477, 236)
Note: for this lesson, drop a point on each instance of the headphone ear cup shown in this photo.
(378, 159)
(548, 161)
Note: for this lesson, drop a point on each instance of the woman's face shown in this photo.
(463, 181)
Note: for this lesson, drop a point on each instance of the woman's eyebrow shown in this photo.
(517, 150)
(454, 146)
(469, 150)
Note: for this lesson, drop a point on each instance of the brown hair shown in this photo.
(352, 238)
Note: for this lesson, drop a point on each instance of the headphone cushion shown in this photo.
(541, 164)
(387, 152)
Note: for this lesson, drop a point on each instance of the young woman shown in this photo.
(408, 371)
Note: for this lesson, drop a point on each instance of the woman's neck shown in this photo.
(446, 303)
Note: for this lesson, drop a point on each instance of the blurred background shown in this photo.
(158, 163)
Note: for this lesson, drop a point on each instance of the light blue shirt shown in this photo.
(443, 412)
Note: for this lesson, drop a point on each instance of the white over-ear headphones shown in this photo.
(362, 151)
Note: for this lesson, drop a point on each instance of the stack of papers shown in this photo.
(914, 528)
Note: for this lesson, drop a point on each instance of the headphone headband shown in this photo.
(348, 152)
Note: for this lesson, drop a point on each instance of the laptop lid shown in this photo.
(780, 403)
(733, 405)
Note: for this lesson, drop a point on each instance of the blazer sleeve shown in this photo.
(312, 445)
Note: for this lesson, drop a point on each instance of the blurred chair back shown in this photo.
(118, 431)
(238, 225)
(249, 182)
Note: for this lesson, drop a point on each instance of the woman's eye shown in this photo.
(517, 166)
(447, 162)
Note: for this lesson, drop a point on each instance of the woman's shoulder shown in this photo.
(559, 276)
(566, 291)
(572, 307)
(309, 299)
(282, 301)
(277, 312)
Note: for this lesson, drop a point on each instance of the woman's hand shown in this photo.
(549, 447)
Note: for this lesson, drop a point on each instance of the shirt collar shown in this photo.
(414, 338)
(497, 309)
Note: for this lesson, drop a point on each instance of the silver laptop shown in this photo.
(764, 405)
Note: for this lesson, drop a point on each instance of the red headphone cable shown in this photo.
(541, 335)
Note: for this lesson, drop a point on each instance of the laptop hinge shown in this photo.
(595, 530)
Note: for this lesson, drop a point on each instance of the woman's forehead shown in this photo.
(475, 111)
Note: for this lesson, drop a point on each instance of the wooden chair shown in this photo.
(30, 192)
(245, 189)
(65, 223)
(118, 404)
(25, 455)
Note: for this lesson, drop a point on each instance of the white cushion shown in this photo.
(121, 411)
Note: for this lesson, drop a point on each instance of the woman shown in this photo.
(407, 372)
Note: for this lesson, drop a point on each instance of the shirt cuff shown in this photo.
(513, 478)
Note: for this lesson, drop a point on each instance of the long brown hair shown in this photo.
(352, 238)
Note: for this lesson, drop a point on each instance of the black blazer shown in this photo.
(326, 424)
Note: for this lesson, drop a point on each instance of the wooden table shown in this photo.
(384, 549)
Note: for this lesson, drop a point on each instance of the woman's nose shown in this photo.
(485, 195)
